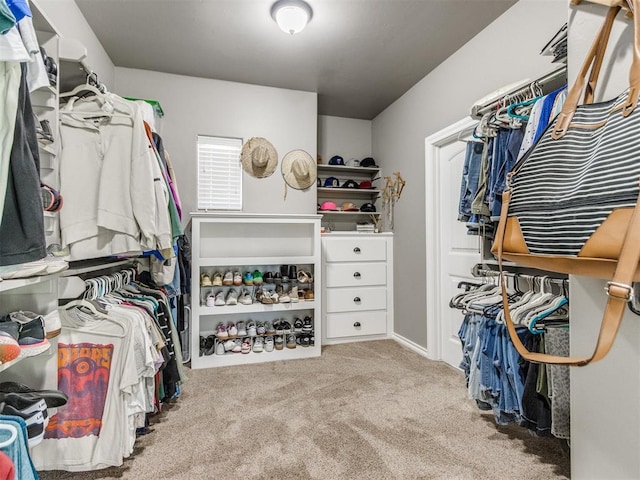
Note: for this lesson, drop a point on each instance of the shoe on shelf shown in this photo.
(245, 347)
(205, 280)
(232, 330)
(300, 295)
(221, 331)
(260, 328)
(9, 347)
(232, 297)
(258, 345)
(220, 348)
(297, 325)
(293, 273)
(219, 301)
(304, 340)
(263, 296)
(279, 342)
(251, 328)
(267, 277)
(35, 423)
(284, 297)
(203, 345)
(245, 297)
(291, 341)
(257, 277)
(274, 296)
(304, 277)
(52, 324)
(210, 345)
(308, 294)
(32, 337)
(237, 279)
(217, 279)
(229, 345)
(242, 329)
(293, 294)
(237, 346)
(248, 279)
(268, 344)
(277, 325)
(269, 330)
(53, 398)
(227, 280)
(286, 327)
(211, 300)
(307, 326)
(312, 340)
(277, 278)
(284, 273)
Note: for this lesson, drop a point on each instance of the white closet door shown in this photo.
(451, 253)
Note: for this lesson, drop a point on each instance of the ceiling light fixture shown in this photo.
(291, 15)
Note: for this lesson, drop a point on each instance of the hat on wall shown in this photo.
(368, 162)
(259, 157)
(298, 169)
(336, 160)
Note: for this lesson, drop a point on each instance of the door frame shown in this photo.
(432, 145)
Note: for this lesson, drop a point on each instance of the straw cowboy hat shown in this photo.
(259, 158)
(299, 170)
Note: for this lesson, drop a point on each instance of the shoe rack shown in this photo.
(239, 242)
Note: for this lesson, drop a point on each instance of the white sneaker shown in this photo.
(52, 324)
(220, 350)
(232, 330)
(219, 301)
(284, 297)
(258, 345)
(232, 297)
(211, 300)
(245, 298)
(228, 345)
(242, 331)
(251, 329)
(268, 344)
(293, 294)
(237, 346)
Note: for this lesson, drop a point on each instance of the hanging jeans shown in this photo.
(470, 176)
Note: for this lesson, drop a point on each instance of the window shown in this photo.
(219, 173)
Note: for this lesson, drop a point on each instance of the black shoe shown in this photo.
(53, 398)
(286, 327)
(293, 273)
(35, 422)
(210, 344)
(267, 277)
(307, 325)
(297, 325)
(284, 273)
(277, 278)
(305, 340)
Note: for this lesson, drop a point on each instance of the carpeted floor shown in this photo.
(370, 410)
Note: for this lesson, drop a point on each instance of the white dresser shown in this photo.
(357, 282)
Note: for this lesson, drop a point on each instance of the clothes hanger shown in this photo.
(13, 431)
(85, 87)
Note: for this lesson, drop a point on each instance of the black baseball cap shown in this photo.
(368, 162)
(350, 184)
(368, 207)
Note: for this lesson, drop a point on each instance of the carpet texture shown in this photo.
(369, 410)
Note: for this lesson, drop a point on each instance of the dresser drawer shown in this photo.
(355, 250)
(356, 299)
(356, 274)
(357, 323)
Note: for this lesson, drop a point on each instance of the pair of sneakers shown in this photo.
(27, 330)
(247, 329)
(232, 278)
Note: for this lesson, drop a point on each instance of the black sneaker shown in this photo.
(32, 337)
(305, 340)
(53, 398)
(284, 273)
(277, 278)
(286, 327)
(297, 325)
(267, 277)
(35, 423)
(293, 273)
(307, 325)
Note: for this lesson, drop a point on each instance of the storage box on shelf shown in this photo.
(246, 243)
(358, 286)
(339, 194)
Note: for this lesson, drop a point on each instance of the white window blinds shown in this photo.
(219, 173)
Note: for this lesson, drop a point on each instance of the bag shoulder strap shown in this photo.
(618, 291)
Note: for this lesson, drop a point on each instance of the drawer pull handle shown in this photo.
(357, 324)
(357, 275)
(357, 300)
(356, 250)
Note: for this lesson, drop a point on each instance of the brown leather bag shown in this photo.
(571, 205)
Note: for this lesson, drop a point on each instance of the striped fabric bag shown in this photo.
(571, 202)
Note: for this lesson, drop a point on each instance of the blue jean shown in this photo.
(504, 161)
(470, 176)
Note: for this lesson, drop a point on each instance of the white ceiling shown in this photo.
(359, 55)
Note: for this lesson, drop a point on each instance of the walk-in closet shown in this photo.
(319, 240)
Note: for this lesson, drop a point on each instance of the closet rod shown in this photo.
(551, 78)
(480, 271)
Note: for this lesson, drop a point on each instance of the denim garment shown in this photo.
(502, 166)
(478, 204)
(470, 177)
(545, 115)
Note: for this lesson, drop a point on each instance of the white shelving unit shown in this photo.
(244, 243)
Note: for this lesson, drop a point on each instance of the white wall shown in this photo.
(347, 137)
(193, 106)
(605, 418)
(69, 22)
(505, 52)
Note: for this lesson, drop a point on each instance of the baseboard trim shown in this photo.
(419, 349)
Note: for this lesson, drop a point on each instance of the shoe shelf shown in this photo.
(7, 285)
(257, 308)
(245, 243)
